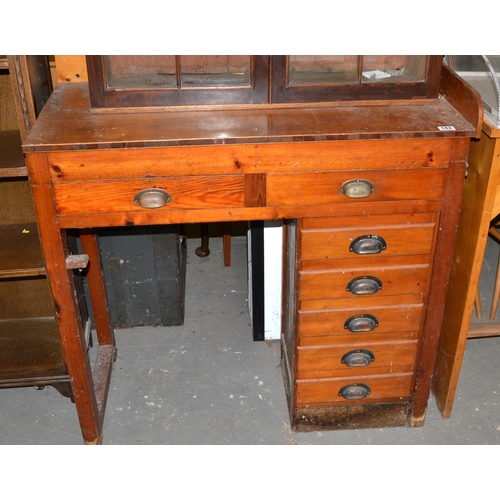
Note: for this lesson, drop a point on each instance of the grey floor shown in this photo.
(207, 382)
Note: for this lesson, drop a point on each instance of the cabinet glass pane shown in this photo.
(149, 72)
(482, 73)
(389, 69)
(215, 71)
(140, 72)
(317, 70)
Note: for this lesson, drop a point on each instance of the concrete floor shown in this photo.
(207, 382)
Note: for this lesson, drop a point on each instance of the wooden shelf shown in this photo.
(4, 63)
(20, 252)
(29, 349)
(12, 162)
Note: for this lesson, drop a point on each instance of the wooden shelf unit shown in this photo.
(30, 346)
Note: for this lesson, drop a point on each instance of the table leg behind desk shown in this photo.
(106, 351)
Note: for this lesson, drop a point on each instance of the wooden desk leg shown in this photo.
(439, 284)
(90, 410)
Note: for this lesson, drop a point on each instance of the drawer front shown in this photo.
(381, 388)
(353, 237)
(112, 196)
(395, 276)
(368, 321)
(361, 358)
(325, 187)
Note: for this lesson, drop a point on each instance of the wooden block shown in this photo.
(71, 69)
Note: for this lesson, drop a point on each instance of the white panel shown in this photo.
(273, 244)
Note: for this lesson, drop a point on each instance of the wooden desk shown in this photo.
(361, 317)
(480, 205)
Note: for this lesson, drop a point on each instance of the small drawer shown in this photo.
(350, 237)
(361, 358)
(329, 187)
(391, 276)
(359, 322)
(377, 388)
(184, 193)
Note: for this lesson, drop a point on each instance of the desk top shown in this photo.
(68, 123)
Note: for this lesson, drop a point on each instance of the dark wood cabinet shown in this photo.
(152, 81)
(30, 345)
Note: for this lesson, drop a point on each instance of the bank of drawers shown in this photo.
(362, 287)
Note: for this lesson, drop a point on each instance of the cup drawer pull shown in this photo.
(359, 357)
(364, 285)
(355, 391)
(368, 244)
(357, 188)
(361, 323)
(152, 198)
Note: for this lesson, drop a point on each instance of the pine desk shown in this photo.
(369, 194)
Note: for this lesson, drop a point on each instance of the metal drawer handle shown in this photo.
(364, 285)
(359, 357)
(152, 198)
(357, 188)
(368, 244)
(361, 323)
(355, 391)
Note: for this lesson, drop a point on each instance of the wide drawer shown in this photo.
(326, 187)
(112, 196)
(364, 278)
(360, 358)
(380, 388)
(345, 237)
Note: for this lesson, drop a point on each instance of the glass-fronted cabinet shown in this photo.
(482, 73)
(173, 80)
(138, 81)
(337, 78)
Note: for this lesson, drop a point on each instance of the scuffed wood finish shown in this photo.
(353, 416)
(74, 127)
(273, 163)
